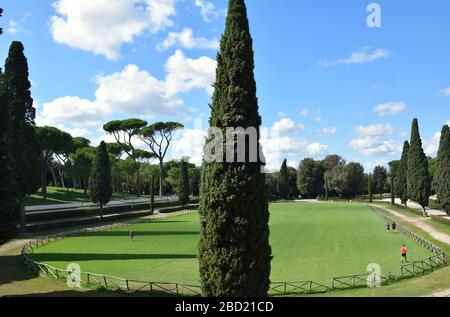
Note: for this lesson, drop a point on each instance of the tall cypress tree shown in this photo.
(327, 189)
(418, 177)
(392, 189)
(23, 142)
(9, 208)
(369, 188)
(437, 180)
(442, 176)
(283, 181)
(100, 189)
(234, 250)
(184, 190)
(401, 184)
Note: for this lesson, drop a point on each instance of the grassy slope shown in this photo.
(58, 195)
(309, 241)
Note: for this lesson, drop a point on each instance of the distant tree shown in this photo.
(332, 161)
(152, 194)
(326, 188)
(129, 168)
(338, 180)
(292, 183)
(379, 179)
(283, 181)
(184, 189)
(355, 179)
(158, 137)
(23, 141)
(51, 141)
(442, 176)
(400, 182)
(432, 167)
(194, 180)
(125, 131)
(310, 178)
(100, 189)
(418, 178)
(392, 189)
(116, 149)
(272, 185)
(81, 164)
(369, 187)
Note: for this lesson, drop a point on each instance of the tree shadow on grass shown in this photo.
(99, 293)
(12, 269)
(73, 257)
(140, 233)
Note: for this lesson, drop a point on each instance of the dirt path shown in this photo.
(420, 223)
(438, 235)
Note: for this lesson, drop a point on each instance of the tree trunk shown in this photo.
(138, 182)
(61, 176)
(23, 224)
(84, 186)
(44, 182)
(54, 176)
(101, 211)
(161, 171)
(127, 185)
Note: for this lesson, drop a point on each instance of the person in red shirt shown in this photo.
(404, 251)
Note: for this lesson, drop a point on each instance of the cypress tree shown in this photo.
(437, 180)
(418, 177)
(234, 250)
(442, 176)
(100, 189)
(283, 181)
(183, 187)
(369, 188)
(23, 141)
(401, 184)
(326, 189)
(9, 208)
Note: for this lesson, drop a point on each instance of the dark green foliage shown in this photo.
(184, 189)
(326, 188)
(442, 176)
(418, 177)
(392, 189)
(379, 180)
(283, 181)
(400, 183)
(194, 180)
(310, 178)
(355, 179)
(292, 183)
(100, 189)
(9, 207)
(272, 186)
(23, 145)
(369, 188)
(234, 250)
(332, 161)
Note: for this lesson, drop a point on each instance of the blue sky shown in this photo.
(327, 80)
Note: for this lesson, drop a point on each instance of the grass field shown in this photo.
(309, 241)
(57, 195)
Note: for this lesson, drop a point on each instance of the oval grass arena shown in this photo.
(310, 241)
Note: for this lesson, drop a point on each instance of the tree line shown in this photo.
(32, 157)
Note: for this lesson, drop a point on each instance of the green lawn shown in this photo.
(57, 195)
(309, 242)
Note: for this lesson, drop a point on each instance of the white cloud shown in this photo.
(287, 125)
(305, 112)
(185, 74)
(390, 108)
(15, 27)
(445, 92)
(208, 10)
(102, 26)
(316, 149)
(282, 115)
(431, 146)
(331, 130)
(132, 91)
(372, 140)
(362, 56)
(190, 144)
(187, 40)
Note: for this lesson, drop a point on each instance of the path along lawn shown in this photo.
(310, 241)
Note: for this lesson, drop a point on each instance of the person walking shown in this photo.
(394, 227)
(404, 251)
(132, 235)
(388, 227)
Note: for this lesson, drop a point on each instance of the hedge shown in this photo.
(441, 219)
